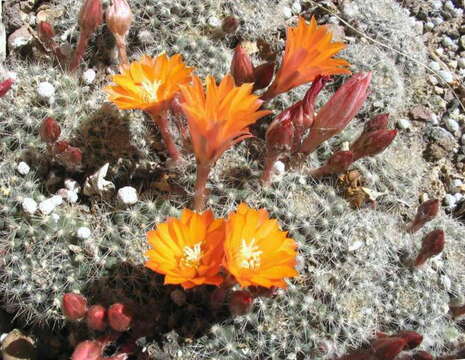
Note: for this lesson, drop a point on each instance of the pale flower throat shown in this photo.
(150, 89)
(192, 256)
(249, 255)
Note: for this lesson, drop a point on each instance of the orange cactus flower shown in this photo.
(257, 252)
(149, 84)
(308, 53)
(188, 250)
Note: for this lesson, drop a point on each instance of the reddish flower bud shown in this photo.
(5, 86)
(87, 350)
(49, 130)
(119, 17)
(263, 75)
(338, 111)
(280, 134)
(412, 338)
(432, 245)
(425, 213)
(74, 306)
(60, 147)
(90, 16)
(372, 143)
(46, 32)
(119, 317)
(71, 157)
(336, 164)
(241, 67)
(379, 122)
(422, 355)
(457, 312)
(96, 318)
(309, 99)
(230, 24)
(240, 302)
(388, 348)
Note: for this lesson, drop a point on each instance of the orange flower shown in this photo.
(188, 250)
(257, 252)
(219, 117)
(308, 53)
(149, 84)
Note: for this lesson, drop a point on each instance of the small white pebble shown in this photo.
(72, 197)
(404, 124)
(45, 90)
(449, 200)
(83, 233)
(88, 76)
(57, 200)
(452, 125)
(127, 195)
(279, 168)
(458, 197)
(447, 76)
(72, 185)
(47, 206)
(456, 185)
(287, 12)
(29, 206)
(23, 168)
(296, 7)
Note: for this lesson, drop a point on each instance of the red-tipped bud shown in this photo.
(230, 24)
(90, 16)
(240, 302)
(96, 317)
(71, 157)
(422, 355)
(412, 338)
(60, 146)
(119, 17)
(263, 75)
(280, 134)
(338, 111)
(379, 122)
(425, 213)
(388, 348)
(309, 99)
(5, 86)
(241, 67)
(46, 32)
(432, 245)
(338, 163)
(458, 312)
(372, 143)
(74, 306)
(49, 130)
(119, 317)
(87, 350)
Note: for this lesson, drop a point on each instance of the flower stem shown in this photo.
(79, 52)
(121, 45)
(162, 121)
(203, 170)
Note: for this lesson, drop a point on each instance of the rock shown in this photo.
(83, 233)
(447, 41)
(17, 346)
(72, 185)
(461, 62)
(48, 205)
(97, 185)
(287, 12)
(69, 195)
(296, 7)
(420, 112)
(455, 186)
(23, 168)
(458, 197)
(462, 42)
(20, 38)
(452, 125)
(449, 200)
(404, 124)
(29, 206)
(127, 195)
(45, 90)
(447, 76)
(279, 168)
(442, 143)
(88, 76)
(436, 4)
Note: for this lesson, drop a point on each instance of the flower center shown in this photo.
(249, 255)
(150, 90)
(192, 256)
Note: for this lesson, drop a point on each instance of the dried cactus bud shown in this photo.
(242, 68)
(49, 130)
(90, 16)
(388, 348)
(422, 355)
(240, 302)
(96, 318)
(87, 350)
(74, 306)
(426, 212)
(230, 24)
(412, 338)
(263, 75)
(372, 143)
(379, 122)
(46, 32)
(432, 245)
(119, 317)
(119, 17)
(5, 86)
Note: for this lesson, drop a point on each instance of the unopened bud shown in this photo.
(280, 133)
(230, 24)
(90, 16)
(309, 99)
(338, 163)
(241, 67)
(96, 318)
(263, 75)
(432, 245)
(71, 157)
(379, 122)
(388, 348)
(74, 306)
(412, 338)
(87, 350)
(60, 146)
(5, 86)
(119, 317)
(49, 130)
(425, 213)
(46, 32)
(240, 302)
(119, 17)
(372, 143)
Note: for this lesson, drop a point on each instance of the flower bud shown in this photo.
(60, 147)
(87, 350)
(49, 130)
(432, 245)
(96, 318)
(5, 86)
(309, 99)
(74, 306)
(46, 32)
(119, 317)
(280, 134)
(240, 302)
(119, 17)
(263, 75)
(71, 157)
(425, 213)
(230, 24)
(241, 67)
(388, 348)
(379, 122)
(338, 163)
(412, 338)
(90, 16)
(422, 355)
(372, 143)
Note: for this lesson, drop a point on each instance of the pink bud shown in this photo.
(338, 111)
(90, 16)
(425, 213)
(49, 130)
(87, 350)
(240, 302)
(119, 317)
(379, 122)
(241, 66)
(5, 86)
(372, 143)
(412, 338)
(432, 245)
(422, 355)
(388, 348)
(96, 318)
(263, 75)
(338, 163)
(60, 147)
(74, 306)
(230, 24)
(119, 17)
(46, 32)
